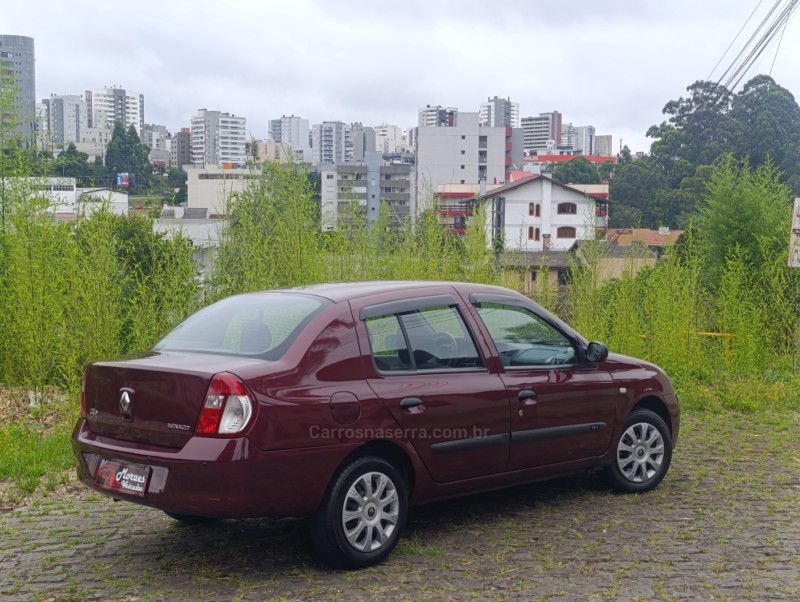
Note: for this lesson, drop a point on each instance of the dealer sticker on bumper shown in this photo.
(118, 476)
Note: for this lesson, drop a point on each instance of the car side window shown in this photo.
(524, 339)
(437, 336)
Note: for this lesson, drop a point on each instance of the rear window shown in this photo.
(259, 325)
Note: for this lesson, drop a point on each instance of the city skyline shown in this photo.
(614, 69)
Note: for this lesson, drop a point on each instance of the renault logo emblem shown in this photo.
(124, 402)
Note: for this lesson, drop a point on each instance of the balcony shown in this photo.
(458, 210)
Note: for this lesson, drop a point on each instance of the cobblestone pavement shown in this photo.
(724, 525)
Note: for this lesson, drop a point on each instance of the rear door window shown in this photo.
(432, 338)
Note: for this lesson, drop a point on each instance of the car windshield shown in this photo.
(259, 325)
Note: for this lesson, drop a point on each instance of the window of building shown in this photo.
(462, 167)
(463, 137)
(567, 209)
(538, 210)
(463, 152)
(537, 234)
(329, 176)
(530, 232)
(531, 209)
(565, 232)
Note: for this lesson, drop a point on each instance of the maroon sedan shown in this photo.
(350, 402)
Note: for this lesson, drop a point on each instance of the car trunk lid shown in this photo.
(154, 399)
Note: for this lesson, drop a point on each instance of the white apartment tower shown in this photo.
(466, 153)
(66, 121)
(331, 143)
(438, 116)
(388, 138)
(603, 146)
(218, 139)
(585, 139)
(292, 131)
(542, 132)
(109, 105)
(499, 112)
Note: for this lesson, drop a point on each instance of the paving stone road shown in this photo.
(724, 525)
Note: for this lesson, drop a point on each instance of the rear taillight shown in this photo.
(83, 396)
(227, 408)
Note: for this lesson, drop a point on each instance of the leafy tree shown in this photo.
(177, 179)
(127, 154)
(745, 209)
(577, 171)
(606, 169)
(636, 186)
(72, 164)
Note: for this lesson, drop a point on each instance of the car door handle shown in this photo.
(410, 402)
(527, 397)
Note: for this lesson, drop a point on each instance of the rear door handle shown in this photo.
(410, 402)
(527, 397)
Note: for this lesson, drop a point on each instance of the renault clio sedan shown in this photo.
(351, 402)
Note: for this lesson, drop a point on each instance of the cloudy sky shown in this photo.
(609, 63)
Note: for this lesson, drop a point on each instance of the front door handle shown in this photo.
(410, 402)
(527, 397)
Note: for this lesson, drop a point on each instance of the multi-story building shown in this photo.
(437, 116)
(363, 139)
(180, 149)
(500, 112)
(218, 139)
(542, 132)
(603, 146)
(158, 139)
(66, 119)
(106, 106)
(584, 142)
(348, 189)
(331, 143)
(17, 62)
(465, 153)
(94, 141)
(388, 138)
(293, 131)
(569, 136)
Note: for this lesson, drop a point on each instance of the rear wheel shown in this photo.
(642, 455)
(362, 514)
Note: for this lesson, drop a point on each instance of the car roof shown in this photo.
(345, 291)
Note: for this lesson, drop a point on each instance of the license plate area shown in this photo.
(122, 476)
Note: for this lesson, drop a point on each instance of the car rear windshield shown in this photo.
(259, 325)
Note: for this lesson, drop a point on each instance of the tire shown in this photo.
(191, 519)
(362, 515)
(642, 454)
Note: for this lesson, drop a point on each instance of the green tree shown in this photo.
(72, 164)
(745, 209)
(577, 171)
(634, 192)
(177, 180)
(127, 154)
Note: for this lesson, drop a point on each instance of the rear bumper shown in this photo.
(222, 478)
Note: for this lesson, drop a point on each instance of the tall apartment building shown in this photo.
(569, 136)
(603, 146)
(218, 139)
(94, 141)
(293, 131)
(541, 132)
(331, 143)
(180, 149)
(584, 142)
(438, 116)
(352, 188)
(364, 140)
(17, 62)
(106, 106)
(158, 139)
(466, 153)
(66, 119)
(388, 138)
(500, 112)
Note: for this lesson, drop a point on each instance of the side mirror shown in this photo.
(596, 352)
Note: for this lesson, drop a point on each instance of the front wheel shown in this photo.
(643, 453)
(362, 514)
